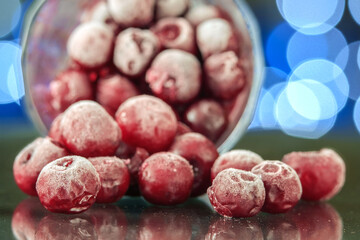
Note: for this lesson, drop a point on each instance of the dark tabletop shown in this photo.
(133, 218)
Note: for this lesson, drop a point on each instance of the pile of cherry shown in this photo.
(126, 143)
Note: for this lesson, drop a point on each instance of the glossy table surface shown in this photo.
(22, 217)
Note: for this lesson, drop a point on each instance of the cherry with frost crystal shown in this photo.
(201, 154)
(282, 185)
(170, 8)
(68, 185)
(166, 178)
(147, 122)
(322, 173)
(201, 13)
(237, 193)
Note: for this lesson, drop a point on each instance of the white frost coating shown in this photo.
(171, 8)
(90, 44)
(99, 13)
(108, 169)
(134, 50)
(199, 14)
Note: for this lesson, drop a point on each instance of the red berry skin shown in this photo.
(147, 122)
(237, 193)
(113, 90)
(238, 159)
(55, 132)
(182, 128)
(206, 117)
(68, 185)
(322, 173)
(201, 154)
(114, 177)
(31, 160)
(282, 185)
(166, 179)
(89, 131)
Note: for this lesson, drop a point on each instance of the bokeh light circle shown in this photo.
(356, 114)
(273, 76)
(354, 7)
(10, 12)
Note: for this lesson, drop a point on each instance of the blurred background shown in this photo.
(312, 74)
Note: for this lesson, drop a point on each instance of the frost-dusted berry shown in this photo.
(282, 185)
(99, 13)
(88, 130)
(113, 90)
(322, 173)
(206, 117)
(170, 8)
(201, 154)
(31, 160)
(201, 13)
(69, 87)
(238, 159)
(68, 185)
(225, 75)
(222, 35)
(132, 13)
(175, 76)
(114, 178)
(166, 178)
(134, 50)
(176, 33)
(147, 122)
(182, 128)
(91, 44)
(237, 193)
(54, 131)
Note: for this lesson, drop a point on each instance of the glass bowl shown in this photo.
(49, 23)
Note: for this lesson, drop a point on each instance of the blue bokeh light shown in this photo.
(10, 13)
(303, 47)
(356, 114)
(358, 57)
(273, 76)
(354, 7)
(266, 115)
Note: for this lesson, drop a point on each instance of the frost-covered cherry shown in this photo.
(216, 36)
(322, 173)
(206, 117)
(182, 128)
(69, 87)
(54, 131)
(176, 33)
(31, 160)
(175, 76)
(147, 122)
(170, 8)
(114, 178)
(88, 130)
(201, 154)
(201, 13)
(237, 193)
(68, 185)
(282, 185)
(134, 50)
(99, 13)
(91, 44)
(224, 74)
(113, 90)
(238, 159)
(166, 179)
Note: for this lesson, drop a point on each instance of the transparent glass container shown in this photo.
(49, 23)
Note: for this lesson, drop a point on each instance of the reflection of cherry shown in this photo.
(164, 224)
(232, 229)
(26, 218)
(280, 227)
(317, 221)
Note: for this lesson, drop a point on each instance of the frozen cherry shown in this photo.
(176, 33)
(237, 193)
(182, 128)
(134, 50)
(222, 35)
(132, 13)
(166, 178)
(170, 8)
(31, 160)
(113, 90)
(54, 131)
(201, 13)
(68, 185)
(99, 13)
(88, 130)
(206, 117)
(69, 87)
(238, 159)
(91, 44)
(322, 173)
(114, 178)
(147, 122)
(282, 185)
(175, 76)
(201, 153)
(225, 75)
